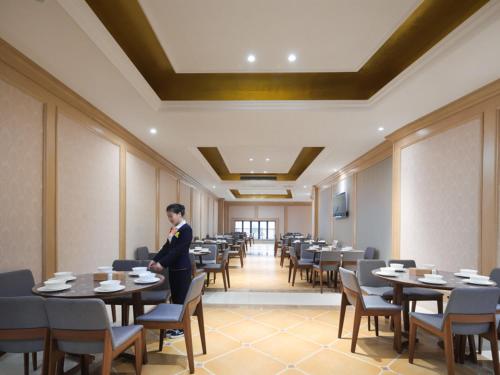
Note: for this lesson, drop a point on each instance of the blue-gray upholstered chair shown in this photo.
(142, 253)
(372, 285)
(24, 328)
(370, 253)
(350, 259)
(416, 294)
(329, 261)
(297, 264)
(237, 251)
(157, 295)
(16, 284)
(365, 306)
(81, 326)
(222, 267)
(470, 311)
(175, 316)
(304, 255)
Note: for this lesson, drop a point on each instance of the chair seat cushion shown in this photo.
(165, 312)
(436, 321)
(155, 296)
(305, 262)
(421, 294)
(378, 303)
(21, 346)
(122, 334)
(385, 292)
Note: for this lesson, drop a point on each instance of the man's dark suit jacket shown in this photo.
(175, 254)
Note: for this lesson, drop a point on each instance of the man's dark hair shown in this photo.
(176, 208)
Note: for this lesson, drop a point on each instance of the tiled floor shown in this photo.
(281, 340)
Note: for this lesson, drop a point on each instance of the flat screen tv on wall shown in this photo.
(340, 207)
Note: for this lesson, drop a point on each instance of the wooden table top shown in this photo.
(405, 279)
(83, 287)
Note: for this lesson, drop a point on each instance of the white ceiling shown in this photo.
(67, 39)
(263, 191)
(326, 35)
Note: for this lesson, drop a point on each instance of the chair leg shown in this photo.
(411, 342)
(138, 351)
(355, 329)
(397, 332)
(224, 280)
(34, 360)
(208, 278)
(289, 272)
(321, 280)
(125, 314)
(227, 275)
(369, 323)
(494, 349)
(406, 315)
(413, 306)
(144, 348)
(189, 344)
(84, 363)
(201, 327)
(335, 279)
(113, 312)
(440, 305)
(293, 276)
(448, 351)
(343, 305)
(106, 363)
(26, 363)
(376, 325)
(480, 345)
(241, 259)
(162, 337)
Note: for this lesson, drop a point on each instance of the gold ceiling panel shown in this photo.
(304, 159)
(430, 22)
(236, 193)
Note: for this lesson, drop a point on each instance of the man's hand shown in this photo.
(157, 267)
(151, 264)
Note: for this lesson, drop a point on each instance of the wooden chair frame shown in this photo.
(194, 307)
(447, 336)
(224, 270)
(30, 334)
(56, 362)
(320, 271)
(239, 248)
(284, 254)
(294, 266)
(360, 311)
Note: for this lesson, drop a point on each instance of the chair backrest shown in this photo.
(304, 254)
(472, 301)
(16, 283)
(350, 282)
(352, 256)
(19, 313)
(194, 292)
(365, 276)
(225, 256)
(79, 315)
(329, 256)
(128, 264)
(495, 276)
(142, 253)
(407, 263)
(213, 252)
(370, 253)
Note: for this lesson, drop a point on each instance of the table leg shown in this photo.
(137, 305)
(398, 300)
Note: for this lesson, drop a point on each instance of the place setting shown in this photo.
(147, 277)
(432, 278)
(109, 286)
(387, 272)
(58, 283)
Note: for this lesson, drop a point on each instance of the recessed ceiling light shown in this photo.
(153, 131)
(265, 171)
(252, 172)
(380, 129)
(292, 57)
(335, 170)
(251, 159)
(213, 187)
(305, 186)
(267, 159)
(251, 58)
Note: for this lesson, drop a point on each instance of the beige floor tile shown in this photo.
(248, 331)
(287, 348)
(279, 319)
(217, 344)
(330, 362)
(244, 361)
(315, 331)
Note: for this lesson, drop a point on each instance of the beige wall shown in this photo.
(141, 205)
(325, 214)
(21, 154)
(185, 199)
(87, 197)
(298, 215)
(77, 190)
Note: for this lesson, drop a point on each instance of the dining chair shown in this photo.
(175, 316)
(297, 264)
(303, 254)
(81, 326)
(24, 328)
(470, 311)
(350, 259)
(494, 276)
(365, 306)
(142, 253)
(329, 261)
(414, 294)
(155, 296)
(212, 257)
(16, 284)
(222, 267)
(370, 253)
(236, 251)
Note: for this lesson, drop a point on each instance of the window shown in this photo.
(260, 229)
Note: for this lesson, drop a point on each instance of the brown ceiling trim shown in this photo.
(429, 23)
(236, 193)
(304, 159)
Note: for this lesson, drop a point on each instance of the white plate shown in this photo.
(47, 289)
(482, 283)
(430, 281)
(115, 289)
(464, 275)
(149, 281)
(380, 273)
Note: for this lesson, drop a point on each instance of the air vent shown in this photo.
(258, 177)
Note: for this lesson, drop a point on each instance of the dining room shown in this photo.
(252, 187)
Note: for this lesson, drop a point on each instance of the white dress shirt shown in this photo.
(178, 226)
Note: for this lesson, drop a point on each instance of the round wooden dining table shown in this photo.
(84, 285)
(408, 280)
